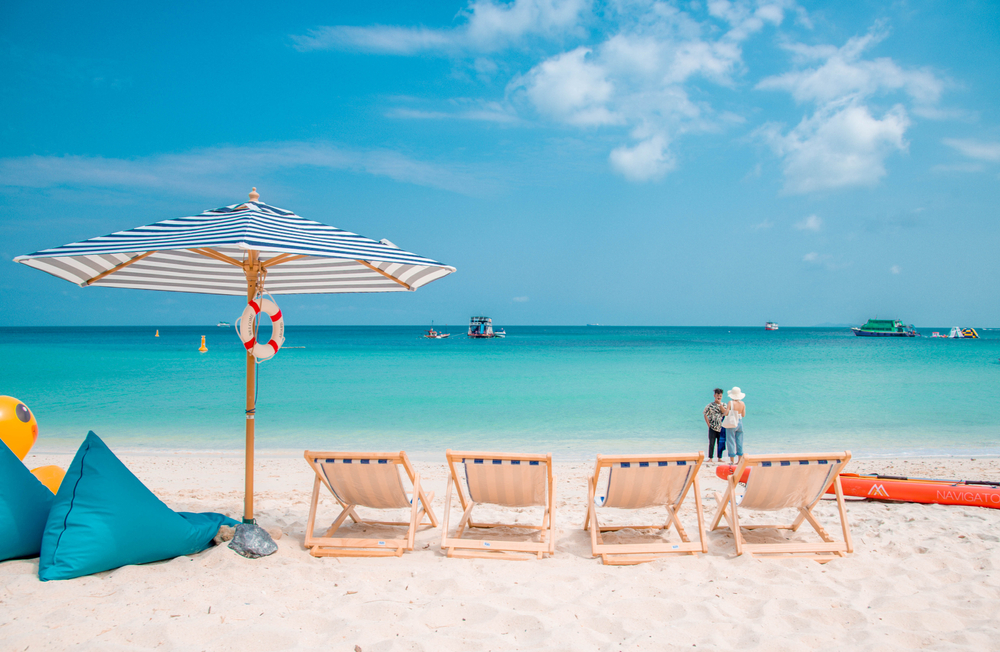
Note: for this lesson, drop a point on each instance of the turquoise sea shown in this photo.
(574, 391)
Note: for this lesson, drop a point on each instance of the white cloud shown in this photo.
(572, 89)
(766, 224)
(826, 261)
(976, 149)
(635, 78)
(842, 143)
(645, 161)
(520, 299)
(811, 223)
(488, 25)
(492, 112)
(205, 171)
(844, 74)
(895, 269)
(638, 77)
(839, 147)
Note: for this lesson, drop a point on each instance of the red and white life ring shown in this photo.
(244, 328)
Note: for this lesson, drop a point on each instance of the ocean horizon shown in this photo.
(571, 390)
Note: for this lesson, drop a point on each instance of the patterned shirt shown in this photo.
(713, 411)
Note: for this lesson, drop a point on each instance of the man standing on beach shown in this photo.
(713, 419)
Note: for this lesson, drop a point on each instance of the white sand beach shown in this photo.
(921, 576)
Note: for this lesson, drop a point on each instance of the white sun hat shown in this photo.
(736, 394)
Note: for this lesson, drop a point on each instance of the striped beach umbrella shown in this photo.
(240, 250)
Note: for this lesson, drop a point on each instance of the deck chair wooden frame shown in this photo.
(643, 496)
(458, 546)
(418, 503)
(729, 506)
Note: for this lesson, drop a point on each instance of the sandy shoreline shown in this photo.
(921, 576)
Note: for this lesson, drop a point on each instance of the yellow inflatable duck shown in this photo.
(19, 430)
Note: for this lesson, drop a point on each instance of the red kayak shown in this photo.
(907, 490)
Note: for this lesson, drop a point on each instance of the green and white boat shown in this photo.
(885, 328)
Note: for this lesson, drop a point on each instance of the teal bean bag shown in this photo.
(24, 507)
(103, 517)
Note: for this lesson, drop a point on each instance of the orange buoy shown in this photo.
(203, 348)
(50, 476)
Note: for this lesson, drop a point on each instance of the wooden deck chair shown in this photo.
(642, 481)
(371, 480)
(504, 479)
(786, 482)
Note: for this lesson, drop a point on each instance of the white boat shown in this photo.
(482, 328)
(434, 335)
(223, 324)
(770, 326)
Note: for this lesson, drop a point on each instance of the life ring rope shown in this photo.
(247, 329)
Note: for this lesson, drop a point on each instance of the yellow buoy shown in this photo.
(18, 428)
(203, 348)
(157, 333)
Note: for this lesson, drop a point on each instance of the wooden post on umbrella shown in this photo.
(252, 269)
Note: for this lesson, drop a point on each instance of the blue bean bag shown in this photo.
(103, 517)
(24, 507)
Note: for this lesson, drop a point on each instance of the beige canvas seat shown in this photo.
(638, 482)
(372, 480)
(505, 480)
(778, 482)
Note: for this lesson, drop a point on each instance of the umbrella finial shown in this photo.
(254, 195)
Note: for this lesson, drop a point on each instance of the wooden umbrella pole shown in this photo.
(252, 269)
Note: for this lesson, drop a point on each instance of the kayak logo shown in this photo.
(878, 491)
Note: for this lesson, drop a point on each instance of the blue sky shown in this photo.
(644, 163)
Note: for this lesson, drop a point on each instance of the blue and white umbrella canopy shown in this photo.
(239, 250)
(208, 254)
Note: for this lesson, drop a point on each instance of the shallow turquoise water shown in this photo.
(570, 390)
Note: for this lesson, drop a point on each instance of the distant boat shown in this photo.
(770, 326)
(482, 328)
(223, 324)
(885, 328)
(434, 335)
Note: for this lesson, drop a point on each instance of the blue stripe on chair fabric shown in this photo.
(505, 482)
(775, 488)
(633, 485)
(351, 460)
(801, 462)
(360, 482)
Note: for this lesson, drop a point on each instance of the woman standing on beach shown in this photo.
(734, 423)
